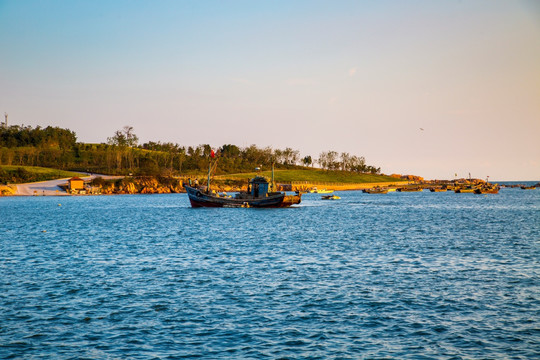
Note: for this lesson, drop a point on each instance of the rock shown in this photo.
(8, 190)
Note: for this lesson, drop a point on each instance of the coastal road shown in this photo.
(51, 187)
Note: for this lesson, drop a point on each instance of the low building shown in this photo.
(75, 184)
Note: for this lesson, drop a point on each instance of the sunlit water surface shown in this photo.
(398, 276)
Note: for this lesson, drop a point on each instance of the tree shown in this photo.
(323, 160)
(291, 156)
(278, 157)
(357, 164)
(307, 161)
(230, 151)
(124, 138)
(345, 161)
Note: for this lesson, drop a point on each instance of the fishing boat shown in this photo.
(528, 187)
(487, 190)
(259, 194)
(468, 187)
(465, 189)
(437, 189)
(410, 189)
(330, 197)
(376, 190)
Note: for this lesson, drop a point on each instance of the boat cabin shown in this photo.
(258, 187)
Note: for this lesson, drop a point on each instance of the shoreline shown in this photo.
(58, 187)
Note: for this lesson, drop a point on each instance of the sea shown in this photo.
(370, 276)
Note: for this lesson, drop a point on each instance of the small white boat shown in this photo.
(320, 191)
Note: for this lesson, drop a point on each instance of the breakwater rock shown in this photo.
(7, 190)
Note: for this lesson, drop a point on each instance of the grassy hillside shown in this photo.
(313, 175)
(23, 174)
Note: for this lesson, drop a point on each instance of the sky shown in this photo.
(431, 88)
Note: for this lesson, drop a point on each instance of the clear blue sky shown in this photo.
(362, 77)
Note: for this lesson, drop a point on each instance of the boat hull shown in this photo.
(487, 191)
(330, 197)
(464, 191)
(199, 198)
(321, 191)
(410, 189)
(375, 191)
(437, 190)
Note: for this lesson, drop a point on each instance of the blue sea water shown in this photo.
(396, 276)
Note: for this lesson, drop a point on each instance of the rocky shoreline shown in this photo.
(152, 185)
(113, 185)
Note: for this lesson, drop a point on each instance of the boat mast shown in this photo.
(209, 170)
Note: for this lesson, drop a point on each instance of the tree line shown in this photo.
(122, 154)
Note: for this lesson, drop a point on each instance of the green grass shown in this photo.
(22, 174)
(313, 175)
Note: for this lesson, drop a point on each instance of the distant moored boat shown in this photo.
(437, 189)
(410, 189)
(376, 190)
(330, 197)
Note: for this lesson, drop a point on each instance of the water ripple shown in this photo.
(404, 276)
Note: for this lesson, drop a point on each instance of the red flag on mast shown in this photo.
(212, 154)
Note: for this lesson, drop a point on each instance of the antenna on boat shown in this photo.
(273, 189)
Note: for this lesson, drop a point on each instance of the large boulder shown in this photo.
(8, 190)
